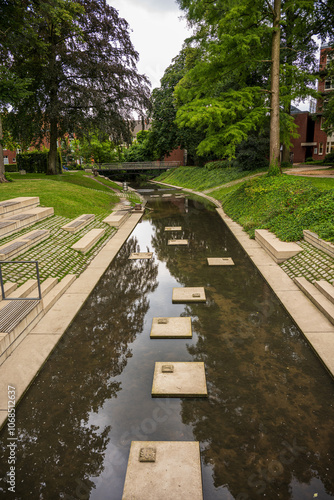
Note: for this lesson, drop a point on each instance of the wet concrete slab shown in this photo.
(188, 294)
(177, 242)
(160, 470)
(179, 379)
(220, 261)
(171, 328)
(141, 255)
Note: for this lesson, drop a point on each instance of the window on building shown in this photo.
(5, 160)
(329, 84)
(14, 160)
(322, 121)
(328, 147)
(321, 148)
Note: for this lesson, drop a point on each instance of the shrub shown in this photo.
(309, 160)
(329, 158)
(11, 168)
(35, 162)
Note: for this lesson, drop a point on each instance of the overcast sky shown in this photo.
(157, 33)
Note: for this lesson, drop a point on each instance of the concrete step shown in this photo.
(16, 321)
(13, 223)
(326, 289)
(277, 249)
(316, 296)
(51, 297)
(22, 243)
(88, 241)
(78, 223)
(17, 205)
(21, 292)
(9, 288)
(118, 218)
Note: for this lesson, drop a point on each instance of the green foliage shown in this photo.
(282, 204)
(11, 168)
(143, 149)
(201, 178)
(253, 153)
(35, 162)
(329, 158)
(214, 165)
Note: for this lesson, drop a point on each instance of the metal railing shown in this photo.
(138, 165)
(20, 262)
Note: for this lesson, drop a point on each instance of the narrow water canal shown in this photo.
(265, 430)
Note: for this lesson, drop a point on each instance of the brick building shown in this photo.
(313, 141)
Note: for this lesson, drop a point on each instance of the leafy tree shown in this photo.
(231, 89)
(142, 149)
(85, 72)
(165, 133)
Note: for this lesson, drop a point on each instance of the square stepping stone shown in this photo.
(173, 228)
(163, 470)
(188, 294)
(141, 255)
(179, 380)
(171, 328)
(177, 242)
(220, 261)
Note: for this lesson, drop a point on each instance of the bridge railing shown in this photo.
(139, 165)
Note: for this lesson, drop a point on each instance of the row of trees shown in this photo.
(239, 73)
(66, 66)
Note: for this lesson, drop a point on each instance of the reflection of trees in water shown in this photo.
(266, 420)
(58, 449)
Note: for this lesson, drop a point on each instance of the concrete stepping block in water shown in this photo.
(179, 380)
(163, 470)
(220, 261)
(171, 328)
(173, 228)
(177, 242)
(141, 255)
(188, 294)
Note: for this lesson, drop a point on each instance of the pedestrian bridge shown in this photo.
(104, 168)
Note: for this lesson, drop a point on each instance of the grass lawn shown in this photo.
(70, 194)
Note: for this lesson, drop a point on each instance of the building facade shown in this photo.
(313, 141)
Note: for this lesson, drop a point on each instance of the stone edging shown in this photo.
(22, 366)
(313, 324)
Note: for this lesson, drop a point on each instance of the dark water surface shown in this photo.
(265, 430)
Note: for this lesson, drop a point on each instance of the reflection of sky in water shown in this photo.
(267, 423)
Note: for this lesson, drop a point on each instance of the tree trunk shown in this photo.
(275, 65)
(53, 118)
(2, 165)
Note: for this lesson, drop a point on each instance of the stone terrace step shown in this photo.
(277, 249)
(13, 223)
(22, 243)
(17, 318)
(78, 223)
(17, 205)
(89, 240)
(118, 218)
(317, 242)
(326, 289)
(9, 288)
(318, 299)
(61, 287)
(21, 292)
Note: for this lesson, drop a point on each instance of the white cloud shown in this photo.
(157, 33)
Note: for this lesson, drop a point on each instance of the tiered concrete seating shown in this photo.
(277, 249)
(22, 243)
(8, 288)
(17, 318)
(17, 205)
(14, 222)
(317, 242)
(321, 294)
(88, 241)
(78, 223)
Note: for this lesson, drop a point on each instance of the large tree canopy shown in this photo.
(238, 80)
(83, 66)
